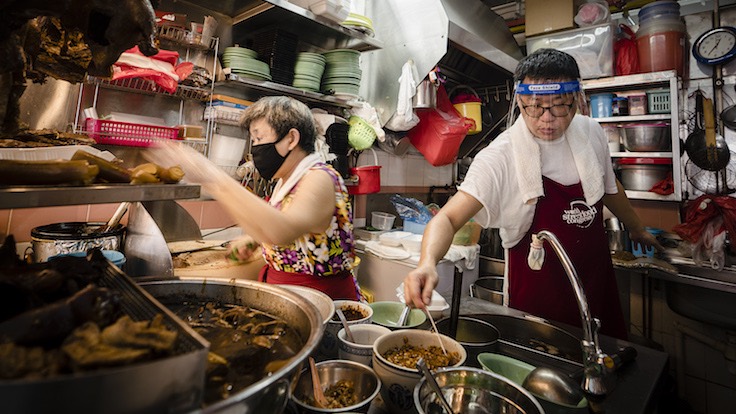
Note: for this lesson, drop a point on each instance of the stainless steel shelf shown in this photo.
(37, 196)
(236, 81)
(648, 195)
(312, 28)
(641, 154)
(634, 118)
(148, 87)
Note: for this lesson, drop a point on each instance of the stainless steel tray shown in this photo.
(166, 385)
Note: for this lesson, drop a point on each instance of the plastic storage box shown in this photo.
(592, 48)
(637, 104)
(658, 102)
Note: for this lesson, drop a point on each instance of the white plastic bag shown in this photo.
(592, 13)
(405, 119)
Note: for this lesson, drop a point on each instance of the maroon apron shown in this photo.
(340, 286)
(548, 292)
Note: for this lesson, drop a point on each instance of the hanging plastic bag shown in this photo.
(626, 53)
(592, 13)
(405, 119)
(440, 131)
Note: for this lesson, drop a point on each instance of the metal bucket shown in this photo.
(426, 96)
(488, 288)
(71, 237)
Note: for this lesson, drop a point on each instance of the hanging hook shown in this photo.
(496, 97)
(508, 93)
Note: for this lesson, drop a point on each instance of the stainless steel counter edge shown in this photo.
(724, 280)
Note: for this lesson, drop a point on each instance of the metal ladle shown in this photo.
(344, 322)
(553, 386)
(422, 367)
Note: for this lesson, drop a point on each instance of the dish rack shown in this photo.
(127, 133)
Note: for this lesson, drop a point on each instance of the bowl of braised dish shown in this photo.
(348, 387)
(395, 356)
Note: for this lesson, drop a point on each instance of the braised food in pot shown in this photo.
(339, 395)
(352, 313)
(246, 345)
(407, 356)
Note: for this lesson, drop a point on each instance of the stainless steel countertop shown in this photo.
(692, 274)
(638, 384)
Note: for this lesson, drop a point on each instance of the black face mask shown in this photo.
(267, 159)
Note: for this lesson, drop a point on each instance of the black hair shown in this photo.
(283, 113)
(548, 64)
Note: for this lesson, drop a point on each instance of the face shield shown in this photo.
(559, 98)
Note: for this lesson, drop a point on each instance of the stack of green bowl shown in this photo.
(242, 61)
(308, 71)
(360, 23)
(342, 73)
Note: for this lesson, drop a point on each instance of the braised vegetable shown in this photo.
(171, 175)
(407, 356)
(143, 177)
(47, 172)
(109, 171)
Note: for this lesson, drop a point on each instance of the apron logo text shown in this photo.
(580, 214)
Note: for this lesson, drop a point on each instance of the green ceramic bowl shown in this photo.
(387, 314)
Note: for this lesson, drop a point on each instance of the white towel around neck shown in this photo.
(527, 158)
(283, 188)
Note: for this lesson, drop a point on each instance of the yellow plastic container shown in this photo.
(471, 110)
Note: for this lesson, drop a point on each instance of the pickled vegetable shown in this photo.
(75, 172)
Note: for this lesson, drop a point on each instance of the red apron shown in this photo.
(340, 286)
(548, 292)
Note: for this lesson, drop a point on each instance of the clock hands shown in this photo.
(718, 41)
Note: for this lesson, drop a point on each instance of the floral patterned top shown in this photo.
(320, 254)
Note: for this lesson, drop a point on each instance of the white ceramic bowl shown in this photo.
(362, 349)
(398, 381)
(329, 345)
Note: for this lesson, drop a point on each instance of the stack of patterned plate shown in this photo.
(361, 23)
(342, 73)
(308, 71)
(242, 61)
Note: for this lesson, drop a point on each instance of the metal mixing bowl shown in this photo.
(365, 382)
(647, 137)
(472, 390)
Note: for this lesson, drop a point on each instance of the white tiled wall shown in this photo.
(408, 170)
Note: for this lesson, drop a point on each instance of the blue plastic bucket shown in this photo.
(648, 251)
(601, 105)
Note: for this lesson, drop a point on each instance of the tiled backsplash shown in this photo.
(19, 222)
(409, 170)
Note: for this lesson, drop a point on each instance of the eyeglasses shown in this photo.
(536, 111)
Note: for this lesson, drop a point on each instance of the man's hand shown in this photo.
(418, 286)
(644, 238)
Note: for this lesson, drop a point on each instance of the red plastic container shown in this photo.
(126, 133)
(437, 139)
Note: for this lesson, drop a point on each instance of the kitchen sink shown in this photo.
(531, 340)
(704, 295)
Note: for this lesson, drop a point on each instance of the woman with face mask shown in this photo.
(305, 228)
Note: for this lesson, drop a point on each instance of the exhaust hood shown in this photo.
(469, 41)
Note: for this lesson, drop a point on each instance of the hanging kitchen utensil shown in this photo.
(713, 153)
(696, 139)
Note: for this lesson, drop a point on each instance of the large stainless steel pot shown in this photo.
(270, 394)
(71, 237)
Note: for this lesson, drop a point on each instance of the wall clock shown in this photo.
(715, 46)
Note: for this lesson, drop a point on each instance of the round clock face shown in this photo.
(715, 46)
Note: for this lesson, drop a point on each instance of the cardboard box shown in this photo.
(545, 16)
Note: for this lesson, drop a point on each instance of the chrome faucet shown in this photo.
(594, 360)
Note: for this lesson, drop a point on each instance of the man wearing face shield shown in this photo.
(550, 170)
(305, 229)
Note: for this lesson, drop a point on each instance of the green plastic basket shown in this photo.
(658, 101)
(361, 134)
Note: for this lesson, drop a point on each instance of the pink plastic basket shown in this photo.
(126, 133)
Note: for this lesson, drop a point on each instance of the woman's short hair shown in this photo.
(547, 64)
(283, 113)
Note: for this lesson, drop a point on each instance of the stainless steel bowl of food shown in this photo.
(348, 386)
(277, 330)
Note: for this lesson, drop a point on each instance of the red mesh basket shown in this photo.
(126, 133)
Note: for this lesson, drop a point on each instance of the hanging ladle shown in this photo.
(422, 367)
(319, 394)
